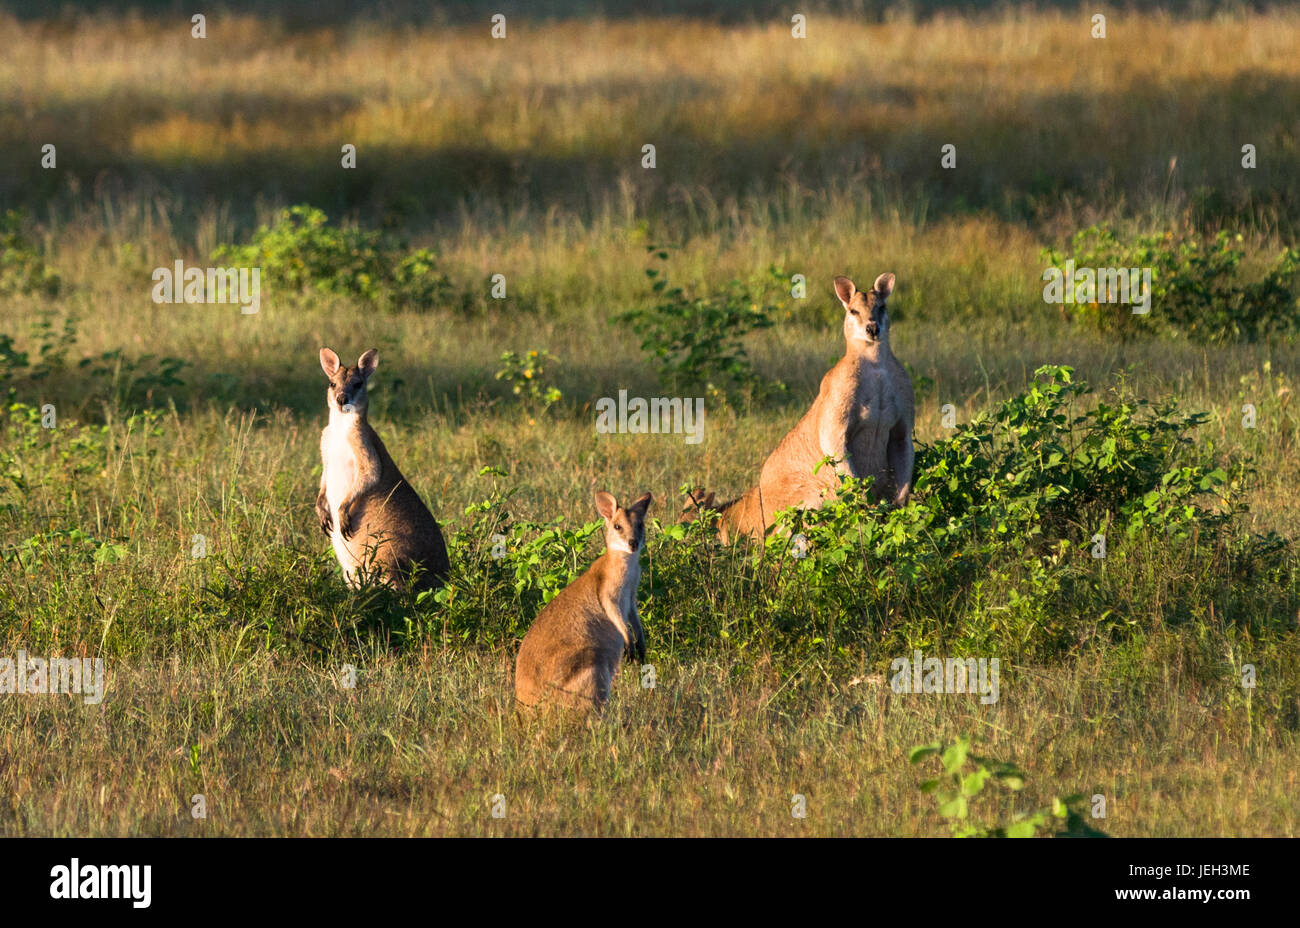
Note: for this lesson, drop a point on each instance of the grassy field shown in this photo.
(1121, 677)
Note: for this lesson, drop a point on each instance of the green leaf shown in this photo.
(109, 553)
(921, 752)
(1026, 829)
(954, 756)
(954, 808)
(973, 782)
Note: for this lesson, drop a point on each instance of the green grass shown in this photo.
(523, 160)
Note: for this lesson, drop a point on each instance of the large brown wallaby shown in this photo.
(375, 519)
(862, 417)
(572, 652)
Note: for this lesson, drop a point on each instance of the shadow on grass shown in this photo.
(304, 15)
(406, 387)
(1020, 158)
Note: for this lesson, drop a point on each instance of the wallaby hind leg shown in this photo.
(635, 651)
(588, 687)
(902, 457)
(603, 680)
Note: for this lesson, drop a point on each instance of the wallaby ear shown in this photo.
(641, 505)
(605, 504)
(368, 362)
(884, 285)
(329, 362)
(844, 289)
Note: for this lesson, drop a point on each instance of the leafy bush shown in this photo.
(61, 545)
(51, 350)
(698, 341)
(963, 780)
(115, 378)
(128, 382)
(1198, 290)
(1031, 468)
(504, 567)
(303, 252)
(22, 268)
(33, 455)
(1008, 509)
(527, 377)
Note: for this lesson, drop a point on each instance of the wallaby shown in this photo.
(375, 519)
(570, 655)
(862, 417)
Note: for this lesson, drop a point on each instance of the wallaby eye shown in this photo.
(853, 312)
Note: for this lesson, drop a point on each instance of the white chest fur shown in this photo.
(338, 450)
(623, 595)
(339, 443)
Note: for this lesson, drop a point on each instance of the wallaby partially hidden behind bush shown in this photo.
(570, 655)
(375, 519)
(862, 417)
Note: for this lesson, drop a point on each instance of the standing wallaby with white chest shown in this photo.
(862, 417)
(375, 519)
(571, 654)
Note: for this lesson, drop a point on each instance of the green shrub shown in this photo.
(113, 378)
(127, 382)
(36, 456)
(698, 340)
(302, 252)
(22, 268)
(962, 784)
(1034, 467)
(1000, 533)
(504, 568)
(1198, 288)
(61, 545)
(52, 349)
(527, 376)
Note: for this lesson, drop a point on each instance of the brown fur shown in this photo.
(572, 652)
(374, 518)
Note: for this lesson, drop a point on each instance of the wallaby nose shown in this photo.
(873, 329)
